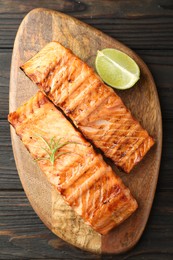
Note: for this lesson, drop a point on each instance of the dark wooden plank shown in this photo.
(26, 237)
(5, 61)
(128, 21)
(9, 178)
(102, 8)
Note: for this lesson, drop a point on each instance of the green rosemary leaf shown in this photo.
(59, 154)
(44, 141)
(46, 150)
(57, 143)
(52, 141)
(52, 158)
(40, 159)
(52, 147)
(68, 142)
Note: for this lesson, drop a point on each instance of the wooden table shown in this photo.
(147, 28)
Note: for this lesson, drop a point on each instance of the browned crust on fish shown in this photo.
(94, 107)
(80, 175)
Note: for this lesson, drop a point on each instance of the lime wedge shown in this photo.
(116, 68)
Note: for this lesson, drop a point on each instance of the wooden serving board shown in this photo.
(38, 28)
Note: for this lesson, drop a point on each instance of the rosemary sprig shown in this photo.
(52, 147)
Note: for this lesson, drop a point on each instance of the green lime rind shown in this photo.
(117, 69)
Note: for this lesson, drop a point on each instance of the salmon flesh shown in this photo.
(76, 171)
(94, 107)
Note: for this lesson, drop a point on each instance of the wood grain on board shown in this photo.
(37, 29)
(140, 25)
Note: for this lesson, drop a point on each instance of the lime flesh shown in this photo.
(116, 68)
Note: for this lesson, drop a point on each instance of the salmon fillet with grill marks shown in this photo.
(78, 173)
(94, 107)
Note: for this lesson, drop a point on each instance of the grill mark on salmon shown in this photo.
(88, 107)
(136, 156)
(81, 169)
(82, 92)
(81, 176)
(86, 176)
(100, 132)
(74, 87)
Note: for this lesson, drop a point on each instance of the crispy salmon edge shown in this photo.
(13, 118)
(32, 77)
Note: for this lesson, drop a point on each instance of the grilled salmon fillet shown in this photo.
(78, 173)
(94, 107)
